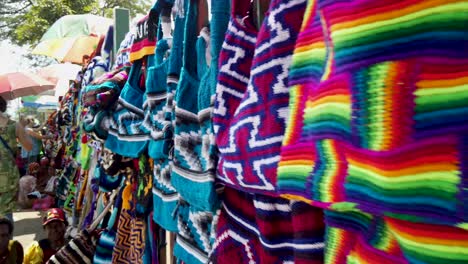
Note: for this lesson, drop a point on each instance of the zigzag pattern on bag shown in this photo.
(251, 111)
(126, 124)
(154, 110)
(129, 245)
(193, 164)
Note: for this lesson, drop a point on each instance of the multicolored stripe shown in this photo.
(378, 109)
(357, 237)
(338, 244)
(431, 244)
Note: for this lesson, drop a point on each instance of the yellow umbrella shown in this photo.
(72, 37)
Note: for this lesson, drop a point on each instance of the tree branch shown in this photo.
(17, 10)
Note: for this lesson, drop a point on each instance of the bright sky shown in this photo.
(11, 58)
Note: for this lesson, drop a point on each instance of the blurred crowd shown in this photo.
(27, 180)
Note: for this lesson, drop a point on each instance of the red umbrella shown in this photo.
(17, 84)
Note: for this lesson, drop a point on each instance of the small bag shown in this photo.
(80, 250)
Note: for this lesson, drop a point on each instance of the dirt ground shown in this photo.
(28, 227)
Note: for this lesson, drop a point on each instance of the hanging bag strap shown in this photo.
(106, 209)
(13, 154)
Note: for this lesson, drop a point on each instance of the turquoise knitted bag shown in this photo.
(193, 174)
(125, 134)
(158, 120)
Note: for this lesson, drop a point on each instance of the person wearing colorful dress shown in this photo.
(10, 131)
(35, 136)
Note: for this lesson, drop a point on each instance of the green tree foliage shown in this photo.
(25, 21)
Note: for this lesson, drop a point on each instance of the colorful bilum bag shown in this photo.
(377, 121)
(105, 244)
(126, 137)
(211, 43)
(254, 228)
(194, 213)
(131, 229)
(158, 123)
(252, 94)
(193, 173)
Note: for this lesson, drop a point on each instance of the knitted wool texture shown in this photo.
(196, 155)
(126, 137)
(252, 94)
(186, 163)
(378, 110)
(195, 210)
(131, 230)
(263, 229)
(165, 196)
(356, 237)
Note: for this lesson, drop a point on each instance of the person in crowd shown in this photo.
(55, 225)
(28, 184)
(32, 130)
(11, 251)
(10, 132)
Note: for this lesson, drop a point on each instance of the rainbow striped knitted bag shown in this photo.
(252, 94)
(378, 109)
(356, 237)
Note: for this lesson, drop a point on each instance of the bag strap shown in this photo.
(8, 147)
(106, 209)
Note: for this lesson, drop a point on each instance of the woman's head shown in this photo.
(33, 168)
(31, 121)
(55, 224)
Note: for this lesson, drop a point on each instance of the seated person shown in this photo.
(55, 225)
(11, 251)
(27, 184)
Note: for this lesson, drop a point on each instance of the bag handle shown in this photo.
(190, 37)
(101, 216)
